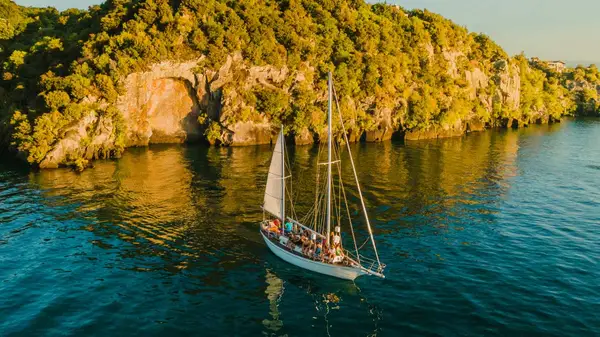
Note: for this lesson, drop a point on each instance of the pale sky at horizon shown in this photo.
(549, 29)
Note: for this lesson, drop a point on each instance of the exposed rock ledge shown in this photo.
(173, 103)
(92, 137)
(161, 105)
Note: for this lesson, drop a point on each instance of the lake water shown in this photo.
(495, 233)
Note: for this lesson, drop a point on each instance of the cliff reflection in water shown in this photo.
(144, 199)
(171, 208)
(186, 204)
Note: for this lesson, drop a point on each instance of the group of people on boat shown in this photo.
(305, 241)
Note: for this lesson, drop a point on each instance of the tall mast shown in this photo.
(282, 179)
(329, 161)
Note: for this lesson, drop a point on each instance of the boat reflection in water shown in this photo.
(274, 293)
(308, 297)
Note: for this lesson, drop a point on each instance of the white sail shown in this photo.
(274, 198)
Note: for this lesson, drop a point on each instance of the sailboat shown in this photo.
(310, 243)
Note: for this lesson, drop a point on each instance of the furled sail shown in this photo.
(274, 197)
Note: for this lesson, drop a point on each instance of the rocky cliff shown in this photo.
(173, 103)
(81, 85)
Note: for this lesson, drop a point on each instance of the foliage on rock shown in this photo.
(398, 69)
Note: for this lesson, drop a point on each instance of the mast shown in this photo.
(329, 161)
(282, 179)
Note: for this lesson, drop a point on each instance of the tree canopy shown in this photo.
(57, 65)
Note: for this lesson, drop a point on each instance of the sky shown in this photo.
(566, 30)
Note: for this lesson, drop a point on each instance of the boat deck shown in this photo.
(275, 240)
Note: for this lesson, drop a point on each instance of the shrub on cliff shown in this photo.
(411, 64)
(585, 86)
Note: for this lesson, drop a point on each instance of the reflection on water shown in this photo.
(274, 291)
(174, 200)
(164, 241)
(324, 300)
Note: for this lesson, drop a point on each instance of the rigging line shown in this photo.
(317, 187)
(293, 211)
(322, 215)
(356, 176)
(317, 210)
(309, 213)
(364, 243)
(289, 187)
(319, 213)
(349, 219)
(322, 220)
(339, 189)
(291, 201)
(319, 197)
(317, 178)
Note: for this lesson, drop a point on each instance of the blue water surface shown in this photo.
(493, 234)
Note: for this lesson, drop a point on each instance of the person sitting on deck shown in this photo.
(338, 251)
(309, 247)
(313, 245)
(288, 228)
(277, 223)
(272, 227)
(305, 242)
(331, 254)
(319, 251)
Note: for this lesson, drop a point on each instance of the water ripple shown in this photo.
(495, 233)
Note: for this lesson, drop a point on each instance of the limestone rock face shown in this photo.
(451, 130)
(225, 101)
(477, 79)
(248, 133)
(303, 137)
(385, 127)
(161, 105)
(164, 103)
(452, 58)
(432, 133)
(474, 125)
(508, 80)
(175, 102)
(90, 137)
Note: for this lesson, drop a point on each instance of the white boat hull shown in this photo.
(343, 272)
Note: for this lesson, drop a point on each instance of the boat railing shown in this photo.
(312, 231)
(366, 262)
